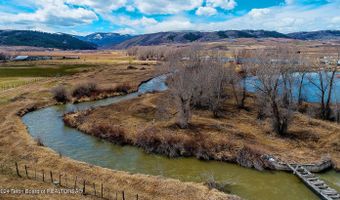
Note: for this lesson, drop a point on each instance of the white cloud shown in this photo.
(172, 24)
(129, 31)
(133, 23)
(100, 6)
(50, 12)
(262, 12)
(105, 7)
(166, 6)
(284, 19)
(130, 8)
(289, 2)
(224, 4)
(147, 21)
(335, 20)
(206, 11)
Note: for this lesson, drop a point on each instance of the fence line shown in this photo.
(67, 181)
(7, 86)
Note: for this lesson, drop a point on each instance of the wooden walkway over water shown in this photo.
(317, 185)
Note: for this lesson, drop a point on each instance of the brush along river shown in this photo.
(47, 124)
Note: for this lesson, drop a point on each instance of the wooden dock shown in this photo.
(318, 186)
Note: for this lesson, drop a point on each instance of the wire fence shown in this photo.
(77, 184)
(7, 86)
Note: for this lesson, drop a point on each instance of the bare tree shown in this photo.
(182, 82)
(197, 80)
(301, 78)
(60, 94)
(337, 107)
(274, 71)
(214, 82)
(324, 80)
(132, 51)
(148, 52)
(237, 75)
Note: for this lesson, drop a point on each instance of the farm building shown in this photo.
(31, 58)
(20, 58)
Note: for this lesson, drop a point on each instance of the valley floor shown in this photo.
(16, 145)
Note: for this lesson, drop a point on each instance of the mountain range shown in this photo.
(104, 40)
(121, 41)
(195, 36)
(42, 39)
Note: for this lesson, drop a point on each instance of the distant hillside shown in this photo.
(41, 39)
(105, 39)
(118, 41)
(316, 35)
(192, 36)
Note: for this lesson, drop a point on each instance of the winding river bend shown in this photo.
(47, 124)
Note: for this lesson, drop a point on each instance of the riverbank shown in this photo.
(238, 137)
(18, 146)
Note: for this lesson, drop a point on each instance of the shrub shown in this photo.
(84, 90)
(151, 140)
(3, 56)
(39, 142)
(210, 181)
(252, 157)
(179, 144)
(60, 94)
(114, 134)
(130, 67)
(123, 88)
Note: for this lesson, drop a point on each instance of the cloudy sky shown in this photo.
(147, 16)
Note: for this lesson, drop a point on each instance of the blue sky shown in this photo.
(148, 16)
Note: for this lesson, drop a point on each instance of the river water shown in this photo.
(310, 91)
(47, 124)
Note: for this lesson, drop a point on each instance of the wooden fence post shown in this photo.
(17, 169)
(84, 187)
(136, 196)
(94, 189)
(65, 180)
(51, 175)
(59, 179)
(35, 173)
(26, 172)
(101, 190)
(75, 183)
(116, 196)
(43, 175)
(123, 195)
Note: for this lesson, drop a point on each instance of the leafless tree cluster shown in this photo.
(196, 80)
(84, 89)
(301, 73)
(274, 70)
(4, 56)
(149, 52)
(201, 79)
(60, 94)
(237, 74)
(324, 81)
